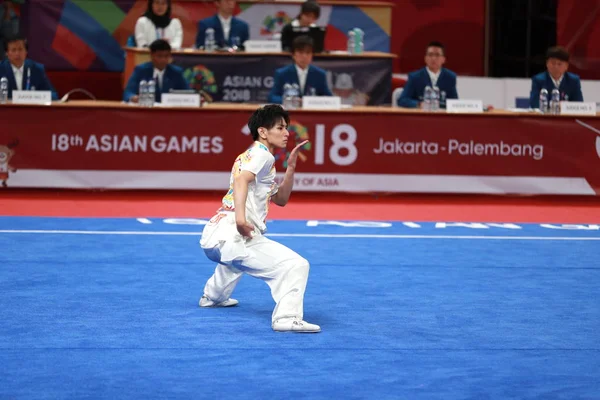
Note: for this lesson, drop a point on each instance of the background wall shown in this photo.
(80, 40)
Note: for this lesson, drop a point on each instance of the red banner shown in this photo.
(363, 151)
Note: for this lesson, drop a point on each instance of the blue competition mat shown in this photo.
(108, 308)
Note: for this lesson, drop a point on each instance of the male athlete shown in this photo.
(234, 236)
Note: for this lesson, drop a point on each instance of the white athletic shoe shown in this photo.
(295, 325)
(206, 302)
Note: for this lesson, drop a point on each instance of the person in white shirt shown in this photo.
(228, 31)
(9, 21)
(165, 75)
(234, 237)
(433, 75)
(21, 72)
(156, 23)
(556, 77)
(311, 80)
(310, 11)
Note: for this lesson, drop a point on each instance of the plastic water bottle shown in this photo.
(435, 99)
(442, 99)
(359, 41)
(143, 93)
(236, 43)
(151, 92)
(287, 96)
(209, 40)
(296, 98)
(555, 102)
(427, 95)
(351, 42)
(3, 90)
(544, 101)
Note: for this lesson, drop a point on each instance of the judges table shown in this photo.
(362, 149)
(363, 79)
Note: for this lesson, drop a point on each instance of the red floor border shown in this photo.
(322, 206)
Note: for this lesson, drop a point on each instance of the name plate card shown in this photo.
(43, 97)
(577, 108)
(180, 100)
(262, 46)
(464, 106)
(322, 102)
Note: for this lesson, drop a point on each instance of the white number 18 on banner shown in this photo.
(343, 149)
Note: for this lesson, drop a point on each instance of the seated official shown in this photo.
(165, 75)
(229, 30)
(156, 23)
(433, 75)
(309, 14)
(21, 72)
(556, 77)
(9, 22)
(311, 80)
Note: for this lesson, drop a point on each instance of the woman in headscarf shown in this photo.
(157, 23)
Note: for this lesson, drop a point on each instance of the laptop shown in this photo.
(317, 33)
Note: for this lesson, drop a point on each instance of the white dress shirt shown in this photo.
(433, 76)
(301, 77)
(226, 24)
(158, 77)
(146, 33)
(18, 73)
(296, 23)
(557, 81)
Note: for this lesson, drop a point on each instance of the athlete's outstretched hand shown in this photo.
(294, 155)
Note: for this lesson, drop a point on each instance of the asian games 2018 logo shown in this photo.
(273, 24)
(201, 78)
(300, 134)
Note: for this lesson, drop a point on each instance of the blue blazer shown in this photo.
(315, 79)
(570, 88)
(172, 79)
(37, 79)
(412, 94)
(239, 28)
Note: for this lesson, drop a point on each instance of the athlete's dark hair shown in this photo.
(267, 117)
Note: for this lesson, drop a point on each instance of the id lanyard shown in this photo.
(159, 33)
(28, 82)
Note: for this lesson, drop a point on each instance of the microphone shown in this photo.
(65, 98)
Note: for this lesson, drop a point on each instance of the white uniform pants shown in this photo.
(281, 268)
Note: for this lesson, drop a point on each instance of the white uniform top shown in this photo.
(146, 33)
(258, 160)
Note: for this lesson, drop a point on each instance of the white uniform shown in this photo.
(282, 269)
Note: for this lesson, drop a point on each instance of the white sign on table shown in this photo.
(464, 106)
(180, 100)
(577, 108)
(40, 97)
(322, 102)
(262, 46)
